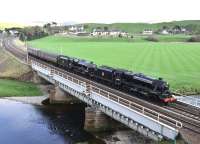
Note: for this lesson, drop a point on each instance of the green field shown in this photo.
(177, 62)
(16, 88)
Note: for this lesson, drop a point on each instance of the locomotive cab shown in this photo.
(118, 75)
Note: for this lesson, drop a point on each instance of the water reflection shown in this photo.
(28, 124)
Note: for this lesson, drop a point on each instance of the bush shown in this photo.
(152, 38)
(194, 39)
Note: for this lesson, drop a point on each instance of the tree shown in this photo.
(193, 29)
(48, 25)
(105, 28)
(86, 26)
(177, 27)
(54, 23)
(98, 27)
(194, 39)
(47, 28)
(165, 27)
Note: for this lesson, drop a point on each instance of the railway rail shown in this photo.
(189, 117)
(9, 46)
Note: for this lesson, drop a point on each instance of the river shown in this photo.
(28, 124)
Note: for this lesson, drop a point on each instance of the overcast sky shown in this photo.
(105, 11)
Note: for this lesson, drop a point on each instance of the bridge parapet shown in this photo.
(133, 115)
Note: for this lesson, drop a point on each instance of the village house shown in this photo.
(147, 32)
(164, 32)
(114, 32)
(179, 30)
(124, 34)
(97, 32)
(173, 31)
(76, 28)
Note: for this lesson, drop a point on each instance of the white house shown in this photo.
(147, 32)
(99, 32)
(115, 32)
(76, 28)
(164, 32)
(124, 34)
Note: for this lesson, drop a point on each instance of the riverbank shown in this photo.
(18, 88)
(12, 72)
(35, 100)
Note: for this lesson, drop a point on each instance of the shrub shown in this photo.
(152, 38)
(194, 39)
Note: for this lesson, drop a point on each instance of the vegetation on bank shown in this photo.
(17, 88)
(178, 63)
(10, 68)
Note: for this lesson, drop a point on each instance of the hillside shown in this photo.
(138, 27)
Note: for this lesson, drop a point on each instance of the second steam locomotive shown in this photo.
(124, 80)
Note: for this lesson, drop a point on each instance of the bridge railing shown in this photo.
(134, 106)
(126, 103)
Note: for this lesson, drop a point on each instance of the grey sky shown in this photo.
(98, 10)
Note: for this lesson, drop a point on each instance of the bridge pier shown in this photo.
(58, 96)
(97, 121)
(37, 79)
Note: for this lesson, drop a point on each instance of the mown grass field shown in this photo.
(16, 88)
(177, 62)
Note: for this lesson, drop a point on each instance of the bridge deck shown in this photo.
(124, 110)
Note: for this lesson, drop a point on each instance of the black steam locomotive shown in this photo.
(120, 79)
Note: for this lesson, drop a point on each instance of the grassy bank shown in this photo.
(178, 63)
(12, 69)
(16, 88)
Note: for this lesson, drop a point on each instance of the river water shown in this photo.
(27, 124)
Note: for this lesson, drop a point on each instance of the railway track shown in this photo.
(9, 46)
(189, 117)
(187, 109)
